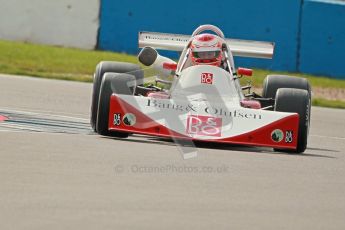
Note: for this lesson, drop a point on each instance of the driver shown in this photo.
(206, 49)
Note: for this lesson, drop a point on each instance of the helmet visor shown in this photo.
(206, 54)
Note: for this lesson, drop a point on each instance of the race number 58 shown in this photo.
(204, 125)
(117, 119)
(288, 136)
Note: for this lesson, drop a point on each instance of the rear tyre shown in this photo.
(112, 83)
(273, 82)
(113, 67)
(295, 101)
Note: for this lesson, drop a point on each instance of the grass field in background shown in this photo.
(75, 64)
(329, 103)
(53, 62)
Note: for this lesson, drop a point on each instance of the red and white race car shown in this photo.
(204, 100)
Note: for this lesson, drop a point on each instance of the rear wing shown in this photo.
(177, 42)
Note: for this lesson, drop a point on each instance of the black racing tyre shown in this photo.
(113, 67)
(273, 82)
(295, 101)
(112, 83)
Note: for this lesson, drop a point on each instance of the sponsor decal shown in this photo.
(129, 119)
(166, 38)
(288, 136)
(307, 115)
(204, 125)
(213, 111)
(167, 105)
(117, 119)
(207, 78)
(235, 113)
(277, 135)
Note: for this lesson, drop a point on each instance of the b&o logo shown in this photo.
(207, 78)
(204, 125)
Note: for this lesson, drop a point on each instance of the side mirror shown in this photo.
(148, 56)
(169, 66)
(244, 71)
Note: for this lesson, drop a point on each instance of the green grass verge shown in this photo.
(315, 81)
(76, 64)
(53, 62)
(328, 103)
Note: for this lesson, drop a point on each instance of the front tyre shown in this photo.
(295, 101)
(111, 67)
(274, 82)
(112, 83)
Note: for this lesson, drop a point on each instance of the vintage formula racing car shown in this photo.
(199, 98)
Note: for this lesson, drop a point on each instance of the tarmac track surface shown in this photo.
(56, 174)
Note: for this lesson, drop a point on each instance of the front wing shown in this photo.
(203, 121)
